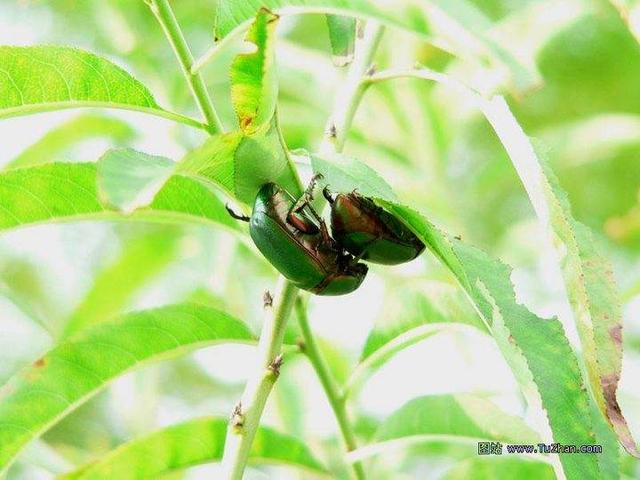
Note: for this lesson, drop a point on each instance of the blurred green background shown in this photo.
(439, 154)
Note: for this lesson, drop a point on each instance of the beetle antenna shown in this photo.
(328, 195)
(237, 216)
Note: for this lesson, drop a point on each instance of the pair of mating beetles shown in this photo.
(295, 239)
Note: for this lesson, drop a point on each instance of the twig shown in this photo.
(336, 400)
(162, 11)
(246, 415)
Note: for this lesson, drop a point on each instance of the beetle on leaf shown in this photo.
(368, 231)
(293, 237)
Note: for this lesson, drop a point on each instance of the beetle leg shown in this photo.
(235, 215)
(306, 198)
(359, 257)
(327, 194)
(324, 231)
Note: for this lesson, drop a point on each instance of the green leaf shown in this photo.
(128, 179)
(83, 127)
(342, 35)
(254, 86)
(465, 416)
(458, 418)
(140, 260)
(192, 443)
(533, 347)
(62, 192)
(504, 468)
(240, 164)
(65, 377)
(45, 78)
(233, 13)
(587, 274)
(344, 174)
(410, 315)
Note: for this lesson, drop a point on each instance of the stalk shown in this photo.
(338, 125)
(246, 415)
(163, 12)
(336, 400)
(348, 99)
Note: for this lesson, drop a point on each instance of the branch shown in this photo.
(348, 99)
(162, 11)
(336, 400)
(246, 415)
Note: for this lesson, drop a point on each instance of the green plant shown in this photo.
(446, 140)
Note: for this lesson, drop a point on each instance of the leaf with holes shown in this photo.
(463, 13)
(254, 87)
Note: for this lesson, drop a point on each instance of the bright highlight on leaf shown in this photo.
(128, 179)
(192, 443)
(65, 377)
(57, 141)
(342, 34)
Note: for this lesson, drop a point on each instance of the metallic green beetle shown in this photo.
(369, 232)
(300, 246)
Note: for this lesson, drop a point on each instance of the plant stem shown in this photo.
(162, 11)
(338, 124)
(348, 99)
(331, 389)
(246, 418)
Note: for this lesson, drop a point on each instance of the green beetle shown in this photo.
(300, 246)
(369, 232)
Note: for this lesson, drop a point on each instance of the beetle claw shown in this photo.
(237, 216)
(328, 195)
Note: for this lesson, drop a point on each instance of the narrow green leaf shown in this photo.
(192, 443)
(45, 78)
(57, 140)
(344, 174)
(587, 274)
(233, 13)
(342, 35)
(466, 416)
(141, 259)
(457, 418)
(62, 192)
(65, 377)
(410, 315)
(128, 179)
(254, 86)
(240, 164)
(500, 467)
(533, 347)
